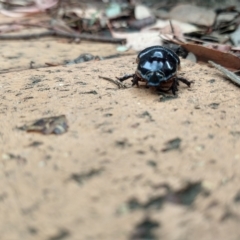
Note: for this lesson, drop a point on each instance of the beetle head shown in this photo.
(154, 78)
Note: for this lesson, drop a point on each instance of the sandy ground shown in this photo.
(134, 164)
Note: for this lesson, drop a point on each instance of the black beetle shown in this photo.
(157, 66)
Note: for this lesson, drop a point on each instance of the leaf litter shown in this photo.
(56, 125)
(136, 24)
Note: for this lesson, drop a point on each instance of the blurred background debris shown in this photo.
(202, 30)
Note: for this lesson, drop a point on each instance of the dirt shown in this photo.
(134, 163)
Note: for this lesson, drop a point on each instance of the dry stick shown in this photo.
(82, 36)
(173, 33)
(117, 82)
(172, 29)
(233, 77)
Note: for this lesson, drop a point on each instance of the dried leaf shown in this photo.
(139, 40)
(10, 28)
(141, 12)
(39, 6)
(56, 125)
(205, 54)
(163, 25)
(12, 14)
(193, 14)
(227, 16)
(85, 57)
(45, 4)
(172, 144)
(220, 47)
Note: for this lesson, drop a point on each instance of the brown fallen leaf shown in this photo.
(205, 54)
(49, 125)
(220, 47)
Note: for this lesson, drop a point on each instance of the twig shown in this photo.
(25, 36)
(233, 77)
(82, 36)
(117, 82)
(172, 29)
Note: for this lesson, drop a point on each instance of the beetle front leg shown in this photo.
(125, 77)
(184, 80)
(174, 87)
(135, 80)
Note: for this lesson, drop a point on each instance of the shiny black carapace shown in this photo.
(157, 66)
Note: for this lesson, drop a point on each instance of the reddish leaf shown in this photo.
(204, 54)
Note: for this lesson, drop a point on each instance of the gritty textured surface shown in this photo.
(107, 177)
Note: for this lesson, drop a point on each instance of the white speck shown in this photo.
(41, 164)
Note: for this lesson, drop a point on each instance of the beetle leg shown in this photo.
(125, 77)
(184, 81)
(174, 87)
(135, 80)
